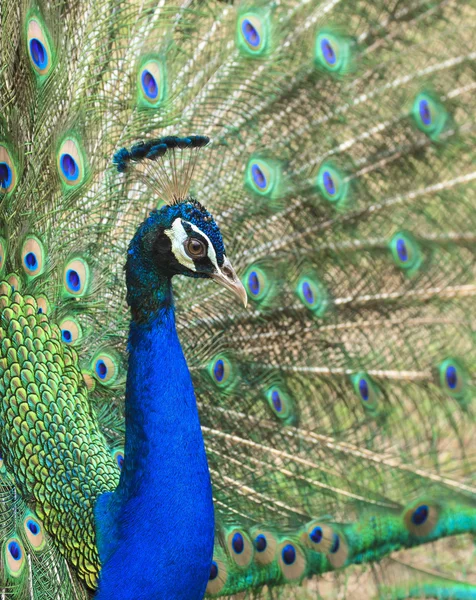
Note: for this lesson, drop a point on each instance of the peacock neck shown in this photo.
(161, 514)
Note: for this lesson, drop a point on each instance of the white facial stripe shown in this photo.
(178, 235)
(211, 250)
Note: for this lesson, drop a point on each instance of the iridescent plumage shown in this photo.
(337, 410)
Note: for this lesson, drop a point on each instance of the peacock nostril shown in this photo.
(227, 272)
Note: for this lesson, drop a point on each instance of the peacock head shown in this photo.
(180, 239)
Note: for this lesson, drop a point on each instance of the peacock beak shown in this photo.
(227, 277)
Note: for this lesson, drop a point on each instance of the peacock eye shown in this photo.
(195, 248)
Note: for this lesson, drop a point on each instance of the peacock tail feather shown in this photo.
(338, 408)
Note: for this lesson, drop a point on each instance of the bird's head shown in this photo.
(181, 239)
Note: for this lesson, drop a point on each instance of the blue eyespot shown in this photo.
(253, 283)
(402, 249)
(281, 404)
(74, 280)
(313, 294)
(364, 389)
(219, 370)
(368, 392)
(213, 571)
(152, 82)
(149, 85)
(307, 292)
(328, 52)
(101, 369)
(31, 261)
(38, 53)
(276, 399)
(69, 167)
(332, 52)
(454, 379)
(66, 335)
(335, 544)
(258, 176)
(263, 176)
(451, 377)
(420, 514)
(5, 175)
(223, 372)
(33, 527)
(258, 284)
(120, 461)
(33, 256)
(15, 550)
(261, 543)
(430, 115)
(289, 554)
(316, 535)
(253, 32)
(425, 112)
(250, 33)
(40, 311)
(329, 183)
(238, 543)
(406, 252)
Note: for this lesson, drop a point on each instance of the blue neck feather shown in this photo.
(155, 533)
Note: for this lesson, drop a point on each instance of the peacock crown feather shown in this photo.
(165, 165)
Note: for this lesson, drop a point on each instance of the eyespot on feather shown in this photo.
(71, 330)
(406, 252)
(221, 371)
(33, 529)
(265, 545)
(8, 170)
(253, 33)
(39, 47)
(367, 391)
(332, 52)
(33, 257)
(257, 283)
(76, 277)
(421, 518)
(291, 560)
(332, 184)
(453, 377)
(339, 550)
(318, 536)
(152, 82)
(218, 577)
(312, 294)
(71, 163)
(430, 115)
(239, 547)
(14, 556)
(105, 367)
(281, 404)
(263, 176)
(118, 455)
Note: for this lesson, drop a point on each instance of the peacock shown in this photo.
(305, 428)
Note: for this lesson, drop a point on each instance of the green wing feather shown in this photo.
(341, 174)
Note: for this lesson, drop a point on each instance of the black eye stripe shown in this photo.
(194, 234)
